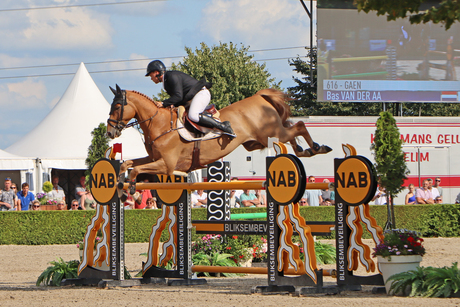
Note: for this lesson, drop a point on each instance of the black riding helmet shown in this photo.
(156, 65)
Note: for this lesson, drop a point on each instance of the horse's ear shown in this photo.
(118, 89)
(113, 91)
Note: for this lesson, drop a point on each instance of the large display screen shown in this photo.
(365, 58)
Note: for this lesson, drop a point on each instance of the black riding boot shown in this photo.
(209, 122)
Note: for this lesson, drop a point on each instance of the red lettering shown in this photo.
(440, 139)
(447, 139)
(413, 139)
(405, 139)
(372, 138)
(424, 158)
(421, 139)
(428, 139)
(406, 159)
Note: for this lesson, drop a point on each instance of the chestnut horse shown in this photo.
(253, 120)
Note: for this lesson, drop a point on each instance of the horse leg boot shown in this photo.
(209, 122)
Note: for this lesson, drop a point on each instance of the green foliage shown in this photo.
(428, 281)
(215, 259)
(47, 186)
(413, 280)
(325, 253)
(442, 281)
(59, 270)
(69, 227)
(447, 12)
(98, 147)
(389, 156)
(400, 242)
(232, 72)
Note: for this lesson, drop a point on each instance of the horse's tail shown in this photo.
(278, 100)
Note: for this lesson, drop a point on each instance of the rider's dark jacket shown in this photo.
(181, 87)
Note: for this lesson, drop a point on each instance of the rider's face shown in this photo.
(155, 77)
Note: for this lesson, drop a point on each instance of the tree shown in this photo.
(232, 72)
(389, 157)
(98, 147)
(447, 12)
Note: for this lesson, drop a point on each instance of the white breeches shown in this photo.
(198, 104)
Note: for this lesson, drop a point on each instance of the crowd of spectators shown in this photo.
(11, 199)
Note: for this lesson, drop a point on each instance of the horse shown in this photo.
(253, 119)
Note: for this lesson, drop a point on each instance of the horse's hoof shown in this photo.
(327, 148)
(132, 187)
(308, 153)
(299, 148)
(316, 147)
(124, 197)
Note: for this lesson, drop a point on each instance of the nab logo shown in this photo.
(103, 181)
(170, 196)
(286, 179)
(354, 181)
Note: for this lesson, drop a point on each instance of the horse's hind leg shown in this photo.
(298, 129)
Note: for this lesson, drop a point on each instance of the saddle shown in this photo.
(195, 129)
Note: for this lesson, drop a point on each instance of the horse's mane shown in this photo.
(147, 97)
(278, 100)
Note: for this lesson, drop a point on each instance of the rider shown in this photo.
(183, 88)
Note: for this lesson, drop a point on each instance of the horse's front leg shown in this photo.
(298, 129)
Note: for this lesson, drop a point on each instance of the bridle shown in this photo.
(119, 124)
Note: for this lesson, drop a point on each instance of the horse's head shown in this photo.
(120, 113)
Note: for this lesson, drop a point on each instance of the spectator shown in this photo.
(87, 201)
(423, 195)
(17, 204)
(61, 205)
(327, 202)
(74, 205)
(237, 192)
(80, 190)
(36, 205)
(25, 197)
(261, 197)
(438, 200)
(410, 196)
(151, 203)
(434, 191)
(303, 202)
(248, 199)
(199, 199)
(437, 185)
(145, 194)
(313, 196)
(457, 199)
(234, 200)
(380, 197)
(326, 194)
(57, 192)
(7, 197)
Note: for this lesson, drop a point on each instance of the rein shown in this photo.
(120, 126)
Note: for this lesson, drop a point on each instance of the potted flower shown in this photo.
(401, 250)
(42, 198)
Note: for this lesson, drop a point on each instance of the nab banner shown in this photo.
(286, 179)
(355, 182)
(103, 180)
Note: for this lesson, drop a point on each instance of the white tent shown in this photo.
(9, 161)
(62, 138)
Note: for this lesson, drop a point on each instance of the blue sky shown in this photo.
(126, 37)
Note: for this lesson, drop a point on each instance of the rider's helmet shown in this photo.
(156, 65)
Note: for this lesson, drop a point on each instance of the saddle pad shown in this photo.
(188, 136)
